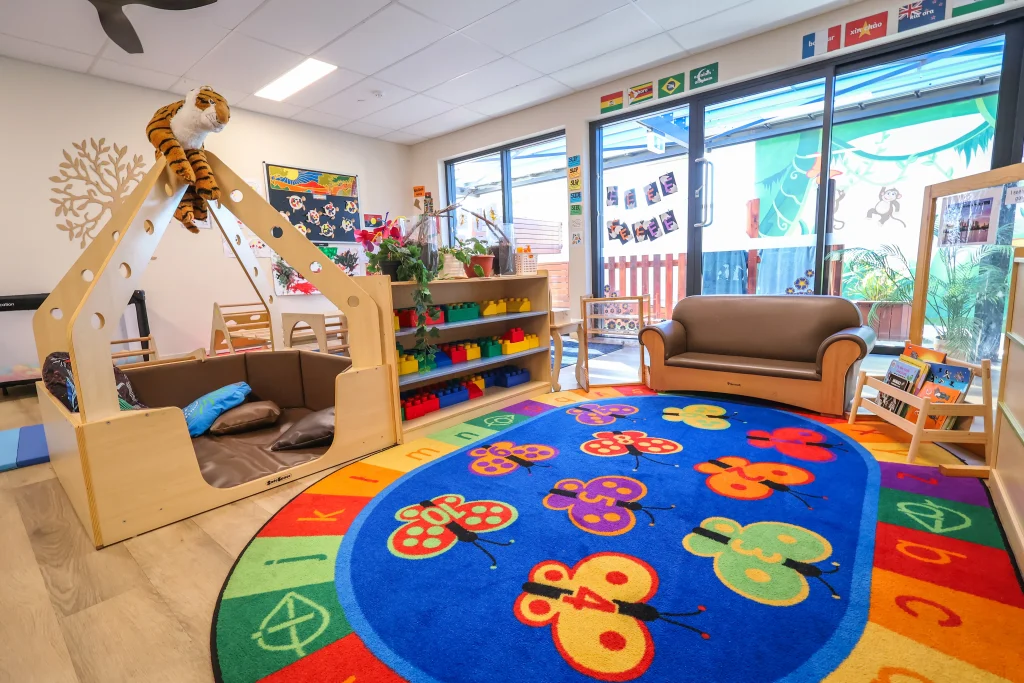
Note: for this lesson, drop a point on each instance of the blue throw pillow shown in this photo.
(201, 413)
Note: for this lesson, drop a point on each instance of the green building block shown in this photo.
(489, 348)
(458, 312)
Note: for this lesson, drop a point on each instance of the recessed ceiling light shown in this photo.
(310, 71)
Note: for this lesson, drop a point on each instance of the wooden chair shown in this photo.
(240, 327)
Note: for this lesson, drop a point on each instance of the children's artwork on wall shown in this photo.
(350, 258)
(259, 247)
(612, 195)
(668, 184)
(617, 230)
(324, 206)
(652, 194)
(630, 199)
(90, 183)
(372, 220)
(887, 207)
(668, 222)
(653, 229)
(640, 231)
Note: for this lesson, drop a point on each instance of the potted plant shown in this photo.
(382, 245)
(451, 267)
(477, 260)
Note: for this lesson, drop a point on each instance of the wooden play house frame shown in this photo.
(127, 472)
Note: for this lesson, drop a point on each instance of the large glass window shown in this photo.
(478, 189)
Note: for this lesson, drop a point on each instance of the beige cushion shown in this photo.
(246, 418)
(316, 429)
(745, 365)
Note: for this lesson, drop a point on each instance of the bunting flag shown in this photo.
(869, 28)
(641, 93)
(673, 85)
(612, 102)
(823, 41)
(921, 13)
(962, 7)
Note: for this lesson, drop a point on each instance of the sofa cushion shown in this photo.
(247, 417)
(178, 384)
(319, 371)
(275, 377)
(787, 328)
(745, 365)
(201, 413)
(315, 429)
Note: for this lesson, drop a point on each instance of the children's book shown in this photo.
(902, 376)
(936, 393)
(923, 353)
(923, 369)
(955, 377)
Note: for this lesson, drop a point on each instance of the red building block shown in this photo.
(420, 405)
(407, 317)
(474, 390)
(514, 335)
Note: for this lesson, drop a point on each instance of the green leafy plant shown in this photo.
(465, 252)
(410, 267)
(347, 260)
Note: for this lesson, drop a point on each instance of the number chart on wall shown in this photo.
(323, 206)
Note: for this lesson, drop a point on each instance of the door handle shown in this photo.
(706, 193)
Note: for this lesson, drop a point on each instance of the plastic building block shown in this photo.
(517, 305)
(516, 334)
(419, 405)
(508, 347)
(452, 395)
(426, 363)
(489, 348)
(441, 359)
(490, 377)
(455, 313)
(435, 316)
(397, 326)
(407, 317)
(533, 341)
(407, 365)
(493, 307)
(456, 352)
(474, 389)
(510, 376)
(477, 381)
(472, 351)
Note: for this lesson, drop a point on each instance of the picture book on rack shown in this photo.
(952, 376)
(922, 374)
(923, 353)
(936, 393)
(903, 376)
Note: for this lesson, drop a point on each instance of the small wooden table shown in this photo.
(319, 324)
(557, 330)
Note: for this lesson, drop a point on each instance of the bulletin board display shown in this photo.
(323, 206)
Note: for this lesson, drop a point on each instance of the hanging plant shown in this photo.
(391, 250)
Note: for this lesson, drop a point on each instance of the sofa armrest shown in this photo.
(673, 335)
(863, 336)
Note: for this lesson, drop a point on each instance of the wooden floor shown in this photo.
(139, 611)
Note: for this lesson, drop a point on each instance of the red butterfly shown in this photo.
(630, 442)
(796, 442)
(503, 457)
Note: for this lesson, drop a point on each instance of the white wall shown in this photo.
(44, 110)
(742, 60)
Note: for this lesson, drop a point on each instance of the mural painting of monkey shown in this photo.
(887, 206)
(840, 195)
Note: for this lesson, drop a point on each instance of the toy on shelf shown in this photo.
(452, 394)
(517, 306)
(407, 364)
(472, 351)
(526, 261)
(442, 359)
(490, 347)
(493, 308)
(516, 334)
(510, 376)
(397, 325)
(514, 341)
(456, 352)
(456, 313)
(419, 404)
(478, 382)
(407, 317)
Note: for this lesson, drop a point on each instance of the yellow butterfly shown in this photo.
(700, 416)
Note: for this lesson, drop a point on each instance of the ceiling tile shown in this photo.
(440, 62)
(602, 35)
(183, 85)
(307, 25)
(361, 48)
(38, 53)
(161, 32)
(365, 129)
(132, 74)
(455, 13)
(226, 13)
(412, 110)
(331, 84)
(623, 61)
(672, 13)
(487, 80)
(445, 123)
(243, 63)
(520, 97)
(402, 138)
(359, 100)
(69, 24)
(525, 22)
(318, 118)
(265, 106)
(724, 27)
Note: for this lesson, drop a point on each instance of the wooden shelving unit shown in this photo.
(537, 360)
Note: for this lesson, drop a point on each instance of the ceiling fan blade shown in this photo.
(173, 5)
(117, 27)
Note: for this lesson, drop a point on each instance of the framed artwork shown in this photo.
(350, 258)
(323, 206)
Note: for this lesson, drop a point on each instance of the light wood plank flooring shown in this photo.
(138, 611)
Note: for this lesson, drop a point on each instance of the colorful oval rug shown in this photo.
(649, 538)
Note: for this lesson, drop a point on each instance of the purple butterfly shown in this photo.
(605, 506)
(597, 414)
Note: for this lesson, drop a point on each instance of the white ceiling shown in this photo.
(408, 70)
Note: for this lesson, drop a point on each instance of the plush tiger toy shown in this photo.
(178, 132)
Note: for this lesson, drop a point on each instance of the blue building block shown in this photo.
(442, 359)
(510, 376)
(489, 377)
(451, 396)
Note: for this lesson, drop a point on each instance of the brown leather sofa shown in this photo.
(799, 350)
(299, 382)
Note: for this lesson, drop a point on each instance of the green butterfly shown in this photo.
(768, 562)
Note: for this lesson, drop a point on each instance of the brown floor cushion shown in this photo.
(227, 461)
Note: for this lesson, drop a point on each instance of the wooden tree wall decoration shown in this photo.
(90, 184)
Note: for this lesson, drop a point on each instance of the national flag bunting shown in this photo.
(823, 41)
(612, 102)
(705, 75)
(962, 7)
(869, 28)
(921, 13)
(641, 93)
(672, 85)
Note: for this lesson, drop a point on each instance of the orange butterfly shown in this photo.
(735, 477)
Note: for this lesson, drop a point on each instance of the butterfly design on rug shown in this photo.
(598, 415)
(504, 457)
(796, 442)
(767, 562)
(630, 442)
(435, 526)
(701, 416)
(735, 477)
(598, 612)
(605, 506)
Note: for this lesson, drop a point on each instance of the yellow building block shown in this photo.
(493, 307)
(532, 340)
(508, 347)
(407, 365)
(472, 351)
(477, 380)
(517, 306)
(396, 323)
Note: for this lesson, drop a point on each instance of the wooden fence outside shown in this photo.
(662, 277)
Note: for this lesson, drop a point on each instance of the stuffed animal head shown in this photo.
(207, 109)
